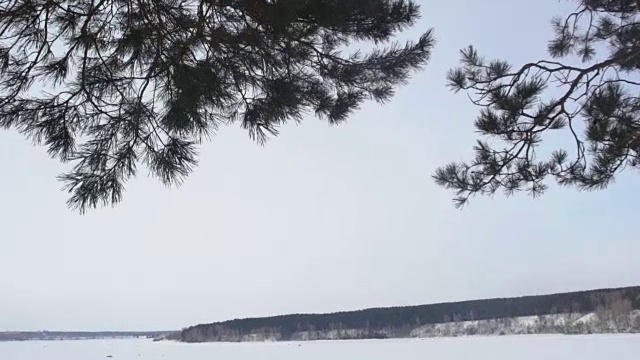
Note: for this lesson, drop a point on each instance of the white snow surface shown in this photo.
(524, 347)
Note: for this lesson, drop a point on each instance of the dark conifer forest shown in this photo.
(376, 322)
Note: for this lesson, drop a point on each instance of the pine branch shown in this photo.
(132, 83)
(514, 109)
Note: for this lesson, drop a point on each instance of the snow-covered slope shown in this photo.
(569, 323)
(547, 324)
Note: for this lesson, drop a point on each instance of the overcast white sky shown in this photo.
(320, 219)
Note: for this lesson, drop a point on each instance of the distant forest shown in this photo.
(75, 335)
(398, 321)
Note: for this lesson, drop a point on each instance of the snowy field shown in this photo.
(534, 347)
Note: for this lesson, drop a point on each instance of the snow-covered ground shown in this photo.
(525, 347)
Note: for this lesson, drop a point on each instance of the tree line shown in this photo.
(375, 322)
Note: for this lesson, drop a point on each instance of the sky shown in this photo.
(322, 218)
